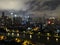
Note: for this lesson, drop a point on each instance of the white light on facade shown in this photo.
(17, 34)
(28, 16)
(7, 30)
(29, 28)
(11, 13)
(8, 34)
(47, 38)
(15, 15)
(56, 39)
(12, 34)
(30, 36)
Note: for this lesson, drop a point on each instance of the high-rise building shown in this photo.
(5, 20)
(17, 21)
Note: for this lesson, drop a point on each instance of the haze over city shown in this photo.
(35, 7)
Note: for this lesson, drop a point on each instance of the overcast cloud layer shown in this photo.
(12, 4)
(45, 7)
(36, 7)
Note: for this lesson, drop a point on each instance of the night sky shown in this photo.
(12, 4)
(35, 7)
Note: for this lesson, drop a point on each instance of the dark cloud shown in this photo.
(52, 5)
(46, 5)
(41, 7)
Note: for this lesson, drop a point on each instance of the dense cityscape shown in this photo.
(41, 31)
(29, 22)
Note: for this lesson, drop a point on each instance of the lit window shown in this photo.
(17, 34)
(12, 34)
